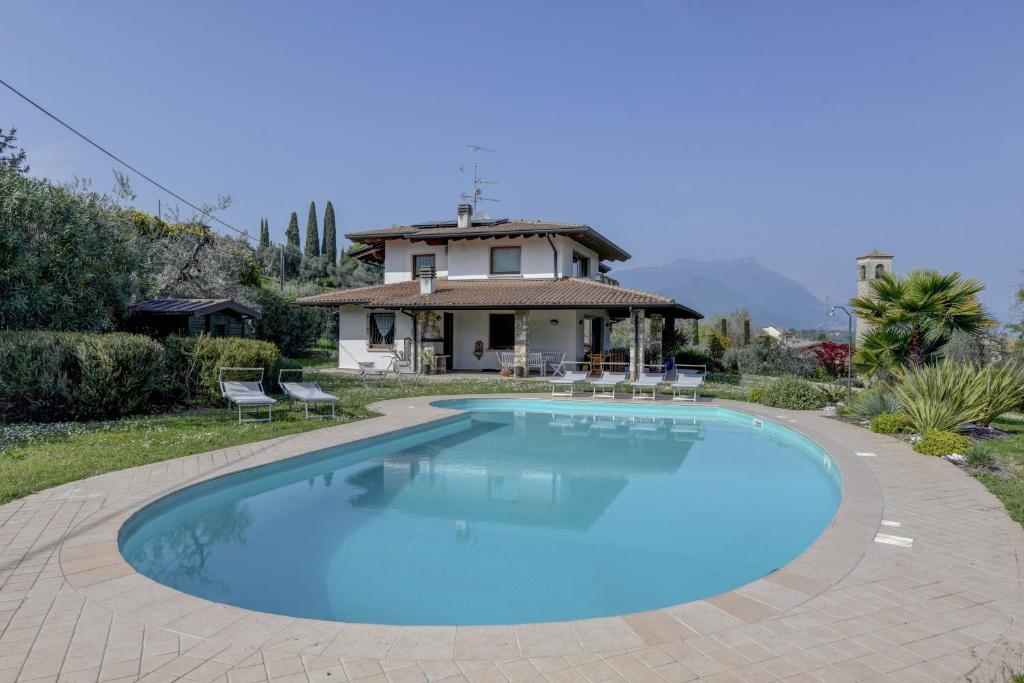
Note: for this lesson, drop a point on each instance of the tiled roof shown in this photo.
(500, 293)
(584, 234)
(876, 254)
(192, 307)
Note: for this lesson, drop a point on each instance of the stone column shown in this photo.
(522, 346)
(656, 332)
(417, 341)
(668, 337)
(637, 342)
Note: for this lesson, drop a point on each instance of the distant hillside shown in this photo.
(718, 287)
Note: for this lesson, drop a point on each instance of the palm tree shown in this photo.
(912, 318)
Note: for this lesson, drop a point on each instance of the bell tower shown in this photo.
(870, 267)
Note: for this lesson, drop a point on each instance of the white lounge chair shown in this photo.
(604, 386)
(567, 382)
(247, 394)
(307, 393)
(647, 380)
(688, 380)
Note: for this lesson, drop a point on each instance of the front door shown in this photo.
(449, 338)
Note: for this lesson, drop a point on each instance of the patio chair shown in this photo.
(307, 393)
(604, 386)
(555, 362)
(567, 382)
(506, 360)
(248, 394)
(404, 371)
(535, 361)
(688, 379)
(373, 369)
(647, 380)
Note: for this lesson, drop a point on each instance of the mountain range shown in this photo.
(718, 287)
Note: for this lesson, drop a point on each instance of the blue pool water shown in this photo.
(514, 511)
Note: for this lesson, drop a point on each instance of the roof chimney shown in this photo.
(465, 215)
(428, 280)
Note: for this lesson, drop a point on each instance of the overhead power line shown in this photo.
(121, 161)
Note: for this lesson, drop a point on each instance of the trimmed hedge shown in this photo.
(47, 376)
(195, 360)
(793, 393)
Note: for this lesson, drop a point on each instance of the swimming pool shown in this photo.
(513, 511)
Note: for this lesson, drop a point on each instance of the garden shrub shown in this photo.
(891, 423)
(768, 357)
(194, 363)
(691, 355)
(49, 376)
(980, 456)
(941, 397)
(867, 404)
(1002, 390)
(756, 395)
(292, 328)
(938, 442)
(794, 393)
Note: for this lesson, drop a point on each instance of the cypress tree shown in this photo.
(264, 234)
(292, 233)
(330, 249)
(312, 233)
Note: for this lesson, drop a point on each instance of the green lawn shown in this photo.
(1008, 485)
(35, 457)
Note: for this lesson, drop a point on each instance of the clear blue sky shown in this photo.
(801, 133)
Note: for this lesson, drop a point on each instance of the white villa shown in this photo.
(464, 290)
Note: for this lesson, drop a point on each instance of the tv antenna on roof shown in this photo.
(477, 195)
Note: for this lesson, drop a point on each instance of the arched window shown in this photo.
(863, 272)
(879, 269)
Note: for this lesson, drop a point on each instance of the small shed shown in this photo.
(190, 317)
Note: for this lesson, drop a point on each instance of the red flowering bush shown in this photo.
(832, 357)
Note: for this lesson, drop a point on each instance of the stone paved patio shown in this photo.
(849, 608)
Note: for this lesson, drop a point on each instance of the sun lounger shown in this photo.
(567, 382)
(688, 380)
(647, 380)
(307, 393)
(247, 394)
(604, 386)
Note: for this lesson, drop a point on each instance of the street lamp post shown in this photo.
(849, 350)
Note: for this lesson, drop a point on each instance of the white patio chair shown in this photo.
(248, 394)
(374, 369)
(307, 393)
(555, 362)
(404, 371)
(506, 360)
(604, 386)
(567, 382)
(535, 361)
(647, 380)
